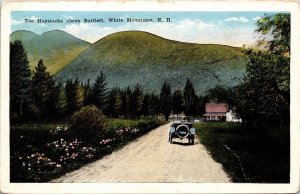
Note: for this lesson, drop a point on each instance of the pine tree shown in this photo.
(188, 96)
(165, 99)
(70, 96)
(113, 103)
(136, 102)
(177, 102)
(99, 91)
(62, 100)
(19, 79)
(145, 106)
(125, 102)
(43, 89)
(154, 105)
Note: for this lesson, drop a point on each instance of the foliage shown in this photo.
(70, 90)
(278, 27)
(136, 100)
(189, 97)
(264, 95)
(165, 100)
(218, 94)
(19, 79)
(260, 152)
(145, 105)
(88, 123)
(177, 101)
(99, 91)
(44, 93)
(154, 105)
(114, 103)
(62, 101)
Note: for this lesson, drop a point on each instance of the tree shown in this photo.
(19, 78)
(71, 96)
(43, 90)
(263, 97)
(201, 104)
(80, 94)
(188, 96)
(154, 105)
(114, 102)
(145, 106)
(99, 91)
(264, 94)
(165, 100)
(136, 102)
(177, 102)
(218, 94)
(125, 102)
(62, 100)
(278, 27)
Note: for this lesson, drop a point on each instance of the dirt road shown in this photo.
(152, 159)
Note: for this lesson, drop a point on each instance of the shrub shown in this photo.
(88, 123)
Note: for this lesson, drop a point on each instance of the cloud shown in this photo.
(186, 30)
(89, 32)
(17, 22)
(68, 16)
(22, 20)
(256, 18)
(236, 19)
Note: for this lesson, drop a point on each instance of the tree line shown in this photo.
(37, 96)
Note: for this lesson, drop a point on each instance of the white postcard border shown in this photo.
(291, 6)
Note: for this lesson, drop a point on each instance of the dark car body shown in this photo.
(182, 128)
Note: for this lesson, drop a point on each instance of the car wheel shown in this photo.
(192, 141)
(170, 138)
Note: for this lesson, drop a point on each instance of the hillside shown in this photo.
(56, 48)
(131, 57)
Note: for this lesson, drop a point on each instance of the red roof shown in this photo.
(216, 107)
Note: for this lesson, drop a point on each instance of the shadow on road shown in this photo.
(183, 143)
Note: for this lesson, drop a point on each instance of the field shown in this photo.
(248, 154)
(42, 152)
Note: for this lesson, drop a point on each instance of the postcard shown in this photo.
(150, 97)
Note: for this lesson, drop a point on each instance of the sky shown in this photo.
(227, 28)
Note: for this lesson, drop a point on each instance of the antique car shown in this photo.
(182, 127)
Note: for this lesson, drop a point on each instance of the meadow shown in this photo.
(248, 155)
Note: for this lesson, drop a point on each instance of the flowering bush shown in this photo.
(33, 160)
(37, 166)
(88, 123)
(70, 151)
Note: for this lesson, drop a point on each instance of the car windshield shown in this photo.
(182, 119)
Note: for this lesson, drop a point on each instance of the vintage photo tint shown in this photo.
(149, 96)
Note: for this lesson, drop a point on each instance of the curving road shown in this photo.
(152, 159)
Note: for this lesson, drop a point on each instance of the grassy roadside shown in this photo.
(257, 155)
(40, 154)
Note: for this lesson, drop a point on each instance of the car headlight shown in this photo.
(193, 131)
(172, 129)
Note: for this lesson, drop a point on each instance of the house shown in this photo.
(232, 117)
(215, 112)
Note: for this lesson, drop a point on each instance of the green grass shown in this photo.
(263, 152)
